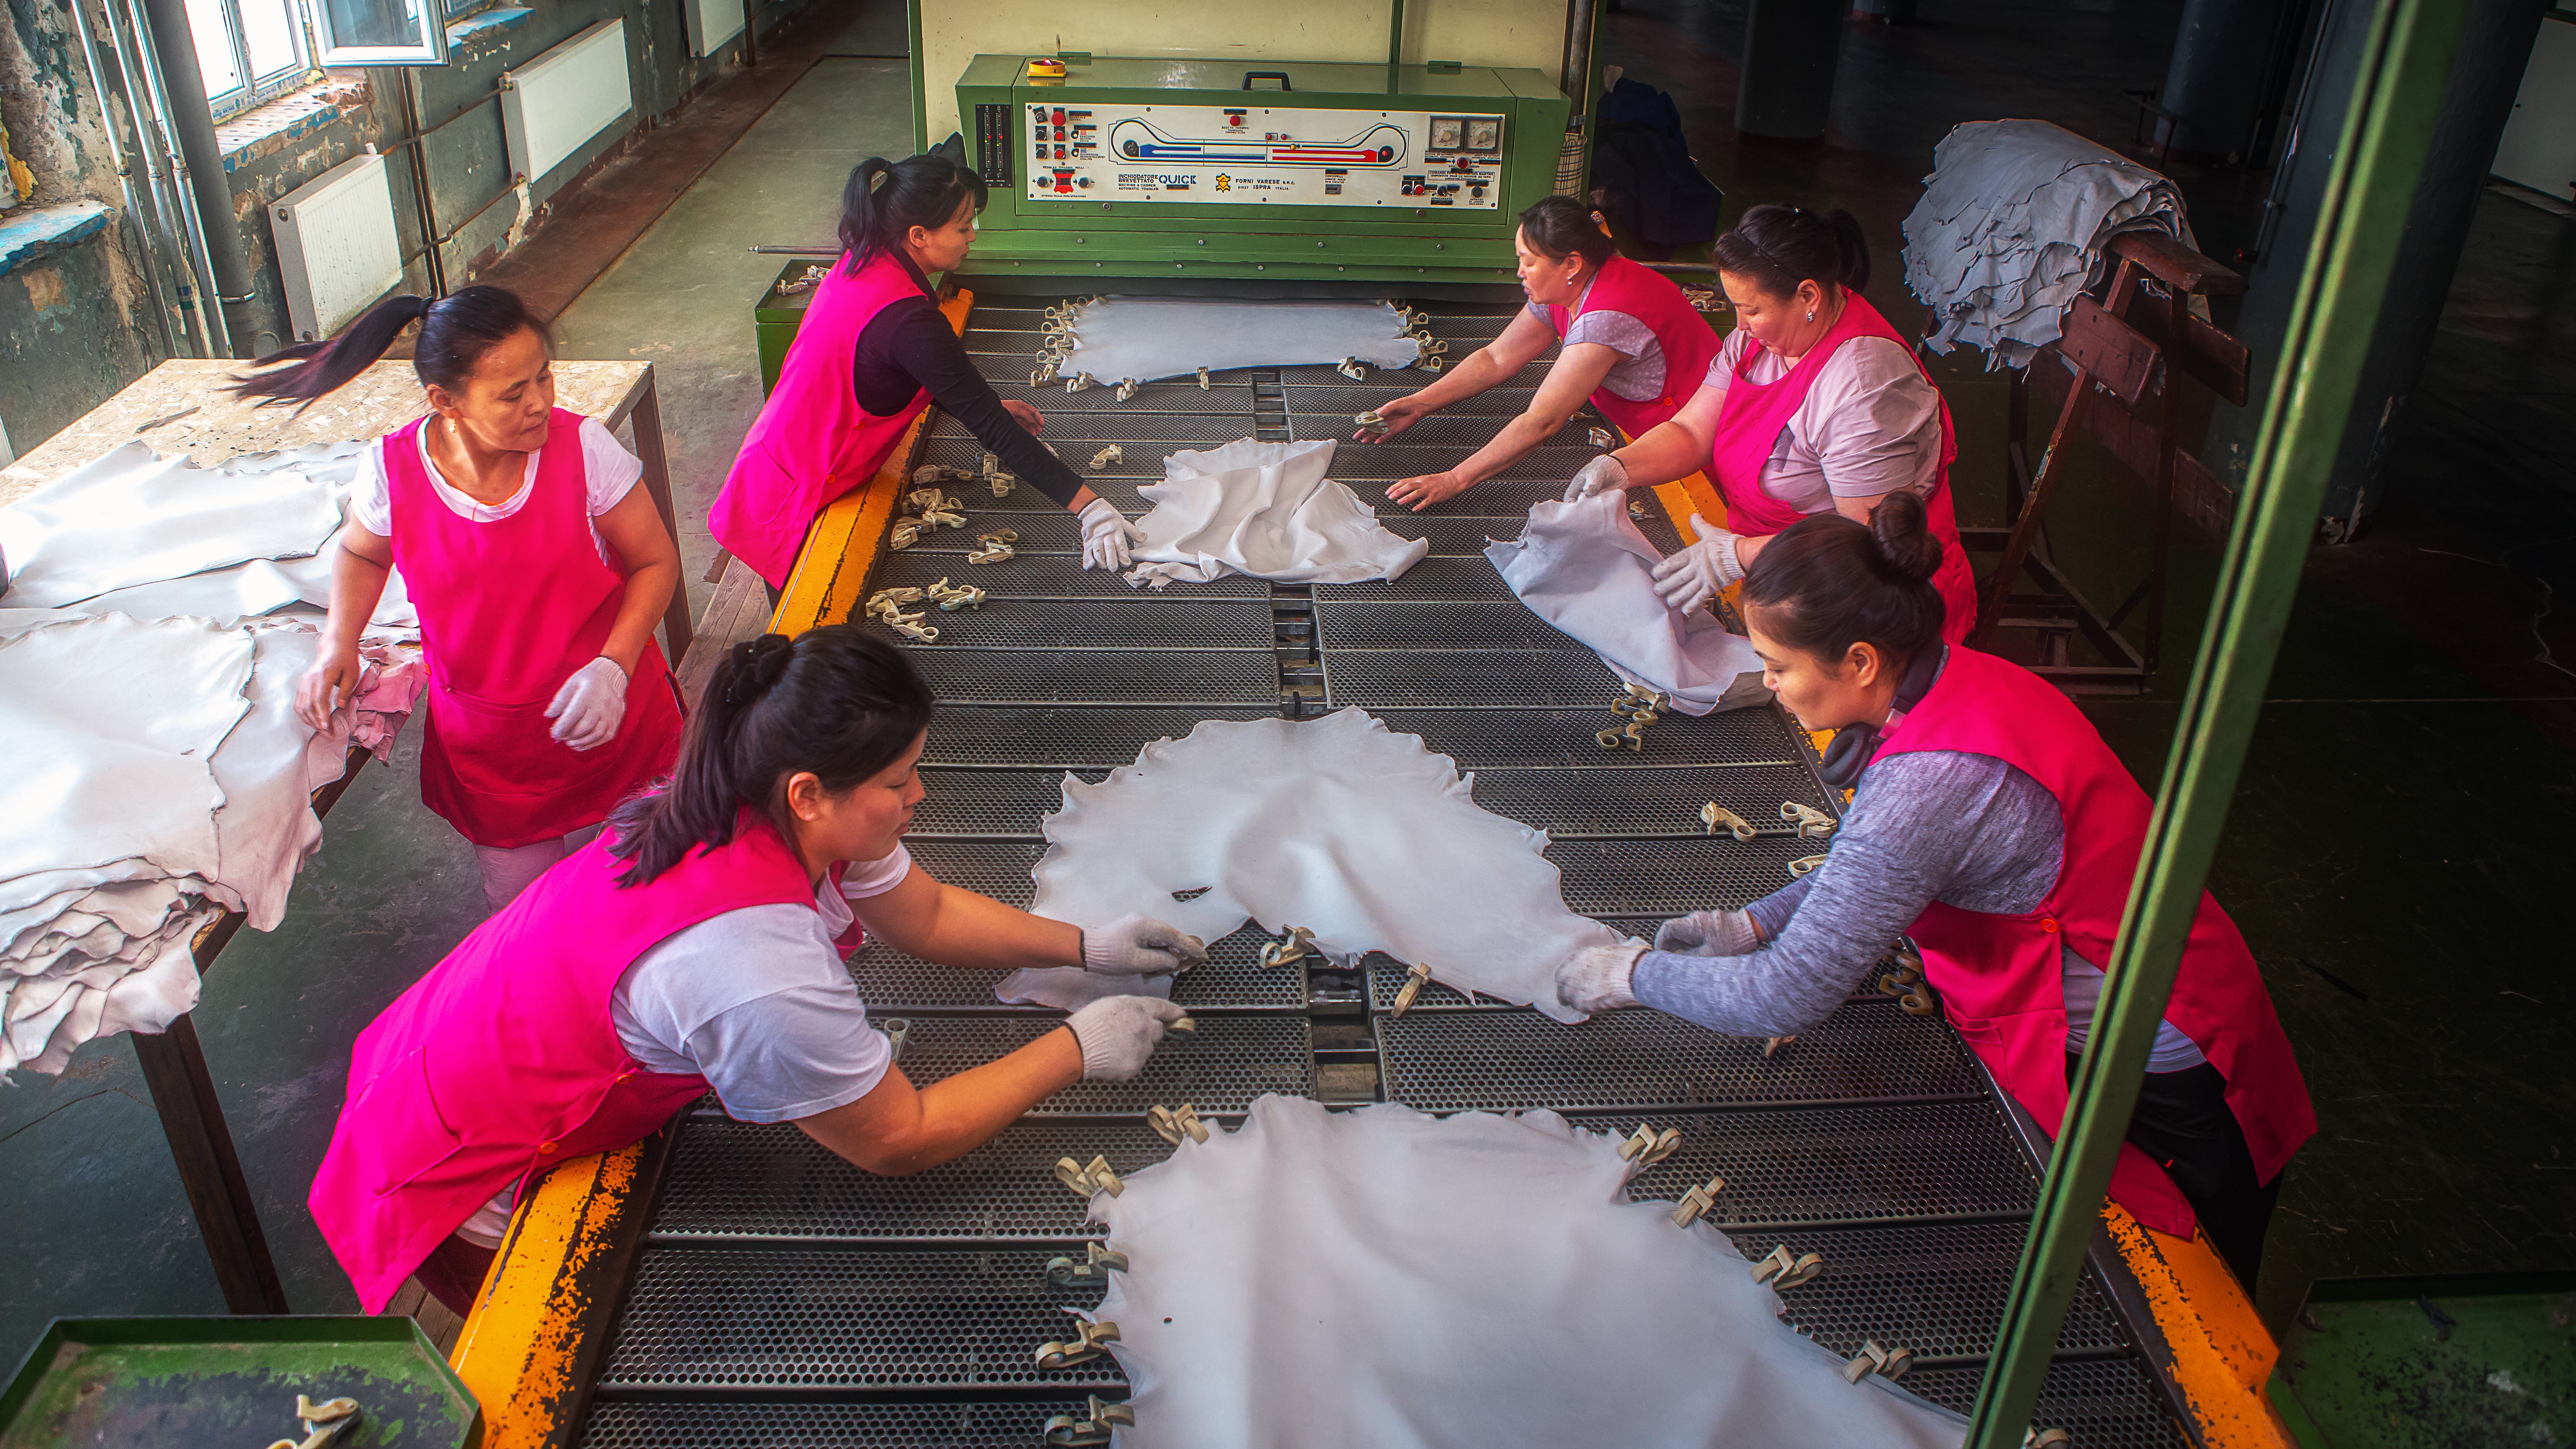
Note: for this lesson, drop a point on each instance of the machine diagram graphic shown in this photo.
(1254, 155)
(1380, 146)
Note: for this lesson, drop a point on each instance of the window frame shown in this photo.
(428, 46)
(254, 92)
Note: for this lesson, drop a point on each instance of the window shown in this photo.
(380, 32)
(249, 51)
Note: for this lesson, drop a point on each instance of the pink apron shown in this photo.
(505, 1060)
(1748, 428)
(1688, 345)
(812, 441)
(509, 609)
(2001, 978)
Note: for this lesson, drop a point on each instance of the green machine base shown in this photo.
(1319, 175)
(2431, 1363)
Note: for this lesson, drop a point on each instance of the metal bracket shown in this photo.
(1093, 1428)
(2038, 1438)
(1091, 1272)
(1714, 815)
(1106, 456)
(1089, 1342)
(1799, 867)
(1783, 1271)
(1887, 1362)
(1084, 1181)
(1774, 1043)
(1414, 981)
(1646, 1145)
(1698, 1201)
(1172, 1126)
(1299, 945)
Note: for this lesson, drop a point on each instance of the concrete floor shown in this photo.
(2392, 855)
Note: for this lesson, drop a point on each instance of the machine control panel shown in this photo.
(1252, 155)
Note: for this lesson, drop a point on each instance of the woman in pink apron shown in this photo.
(872, 352)
(1632, 345)
(698, 944)
(1992, 825)
(1814, 405)
(538, 569)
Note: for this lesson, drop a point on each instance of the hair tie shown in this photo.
(758, 664)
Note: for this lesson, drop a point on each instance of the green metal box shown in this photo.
(1281, 172)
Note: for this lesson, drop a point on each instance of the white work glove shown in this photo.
(1135, 945)
(1596, 977)
(1709, 933)
(1605, 474)
(1692, 577)
(1118, 1033)
(590, 705)
(1108, 539)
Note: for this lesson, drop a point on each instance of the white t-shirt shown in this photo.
(1638, 375)
(758, 1002)
(609, 473)
(1871, 423)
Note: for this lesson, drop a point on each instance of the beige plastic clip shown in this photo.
(1371, 423)
(1094, 1427)
(1414, 981)
(911, 627)
(1172, 1124)
(1427, 363)
(1646, 1145)
(1804, 864)
(2038, 1438)
(905, 533)
(1203, 379)
(1182, 1024)
(1601, 438)
(1299, 945)
(953, 597)
(1085, 1181)
(1782, 1270)
(1350, 367)
(1089, 1342)
(1699, 1200)
(885, 603)
(1077, 382)
(1812, 822)
(1106, 456)
(931, 474)
(1127, 388)
(1774, 1043)
(1042, 374)
(1887, 1362)
(1631, 735)
(1093, 1271)
(1714, 815)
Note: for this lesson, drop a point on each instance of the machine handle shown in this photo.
(1280, 76)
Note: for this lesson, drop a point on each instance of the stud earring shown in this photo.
(1811, 314)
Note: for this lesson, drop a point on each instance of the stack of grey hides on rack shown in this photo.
(2012, 224)
(157, 618)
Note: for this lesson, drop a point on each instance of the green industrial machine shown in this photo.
(1197, 170)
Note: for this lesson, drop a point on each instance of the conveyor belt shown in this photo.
(782, 1296)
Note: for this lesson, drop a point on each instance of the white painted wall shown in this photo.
(2539, 145)
(1522, 33)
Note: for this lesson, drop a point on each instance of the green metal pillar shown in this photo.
(2397, 98)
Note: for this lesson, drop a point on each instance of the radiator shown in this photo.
(555, 104)
(336, 245)
(712, 23)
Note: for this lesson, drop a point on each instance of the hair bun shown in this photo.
(1903, 532)
(756, 666)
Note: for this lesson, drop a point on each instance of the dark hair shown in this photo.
(838, 700)
(1781, 246)
(1827, 582)
(455, 332)
(1558, 226)
(886, 199)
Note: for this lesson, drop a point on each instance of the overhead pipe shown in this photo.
(210, 325)
(122, 159)
(153, 145)
(1574, 77)
(210, 212)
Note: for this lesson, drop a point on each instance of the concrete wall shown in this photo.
(76, 323)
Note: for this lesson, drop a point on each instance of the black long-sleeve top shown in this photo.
(908, 346)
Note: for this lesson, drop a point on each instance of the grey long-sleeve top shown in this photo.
(1945, 825)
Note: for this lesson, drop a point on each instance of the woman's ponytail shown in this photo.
(1827, 582)
(1852, 248)
(322, 366)
(837, 701)
(1782, 246)
(884, 200)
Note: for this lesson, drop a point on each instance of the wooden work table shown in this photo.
(179, 408)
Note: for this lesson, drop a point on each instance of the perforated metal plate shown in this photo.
(1140, 622)
(985, 803)
(1572, 804)
(1322, 392)
(1812, 1167)
(1665, 878)
(1937, 1288)
(1434, 577)
(1154, 397)
(1348, 625)
(1403, 459)
(2106, 1403)
(1055, 532)
(894, 984)
(1078, 434)
(999, 869)
(1038, 576)
(807, 1318)
(732, 1178)
(1064, 738)
(1639, 1060)
(1465, 432)
(1142, 460)
(1467, 678)
(1101, 677)
(1480, 739)
(621, 1423)
(1221, 1067)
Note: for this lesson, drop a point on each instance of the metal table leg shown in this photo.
(676, 630)
(174, 1066)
